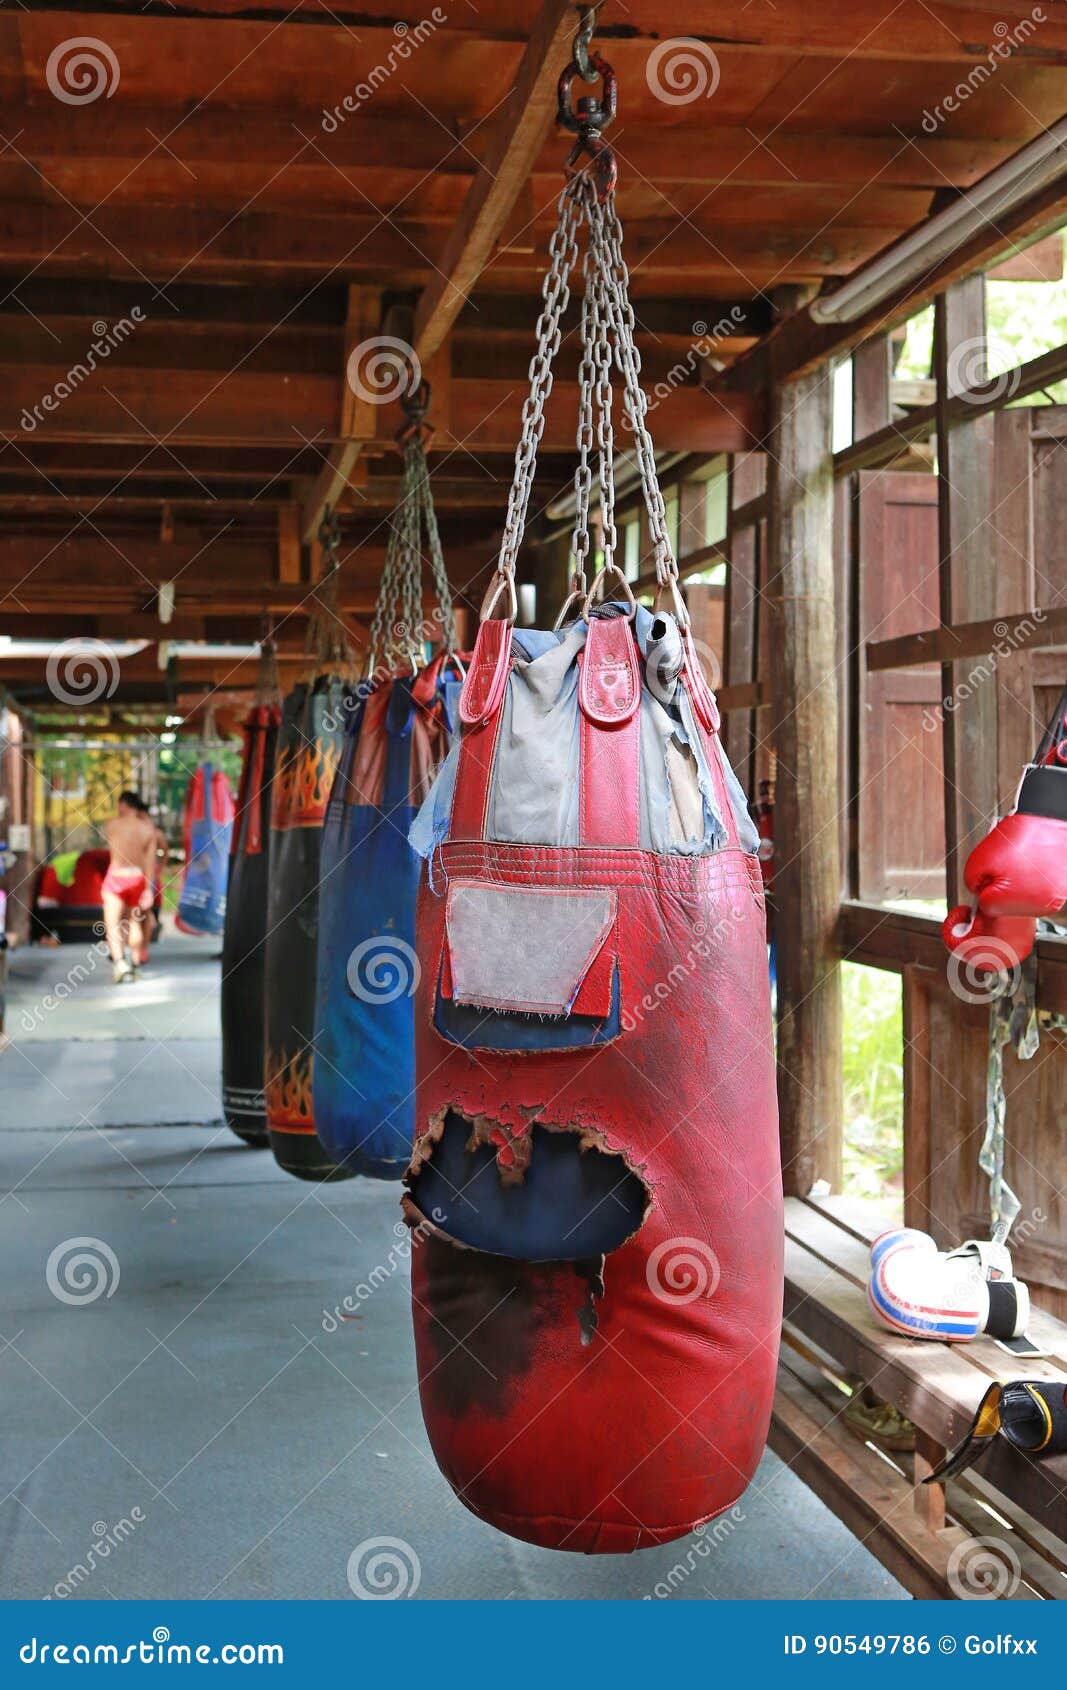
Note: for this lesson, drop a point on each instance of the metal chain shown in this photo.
(409, 627)
(605, 427)
(555, 295)
(386, 610)
(582, 474)
(397, 626)
(437, 562)
(605, 231)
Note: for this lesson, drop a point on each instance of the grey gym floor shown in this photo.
(208, 1428)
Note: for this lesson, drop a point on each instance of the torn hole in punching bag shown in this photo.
(535, 1192)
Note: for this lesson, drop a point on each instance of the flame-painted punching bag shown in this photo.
(208, 831)
(310, 740)
(364, 1069)
(595, 1187)
(244, 953)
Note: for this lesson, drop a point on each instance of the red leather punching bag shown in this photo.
(595, 1187)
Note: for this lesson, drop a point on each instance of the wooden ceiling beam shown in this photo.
(384, 144)
(946, 31)
(520, 129)
(178, 407)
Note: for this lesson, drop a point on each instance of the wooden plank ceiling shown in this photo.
(189, 178)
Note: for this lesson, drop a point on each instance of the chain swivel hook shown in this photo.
(588, 116)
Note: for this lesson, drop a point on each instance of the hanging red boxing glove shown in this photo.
(1019, 870)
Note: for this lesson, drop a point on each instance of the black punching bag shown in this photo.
(244, 954)
(310, 742)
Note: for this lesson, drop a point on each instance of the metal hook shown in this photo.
(582, 39)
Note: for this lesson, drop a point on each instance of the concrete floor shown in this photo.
(199, 1430)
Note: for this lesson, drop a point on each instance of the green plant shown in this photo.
(874, 1082)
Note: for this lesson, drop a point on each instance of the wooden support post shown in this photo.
(1012, 521)
(807, 802)
(917, 1083)
(966, 576)
(289, 544)
(359, 414)
(863, 700)
(929, 1499)
(747, 475)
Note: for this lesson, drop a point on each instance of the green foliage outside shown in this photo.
(874, 1082)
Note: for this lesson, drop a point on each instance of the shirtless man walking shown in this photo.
(127, 888)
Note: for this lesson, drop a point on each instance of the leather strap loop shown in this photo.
(703, 698)
(609, 685)
(487, 677)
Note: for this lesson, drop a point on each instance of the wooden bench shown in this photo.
(924, 1534)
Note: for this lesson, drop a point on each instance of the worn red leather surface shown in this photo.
(657, 1421)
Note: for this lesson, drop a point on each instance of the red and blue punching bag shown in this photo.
(208, 828)
(595, 1187)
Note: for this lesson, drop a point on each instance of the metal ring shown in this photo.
(677, 607)
(501, 579)
(595, 595)
(591, 114)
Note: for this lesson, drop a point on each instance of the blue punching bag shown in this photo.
(363, 1080)
(364, 1069)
